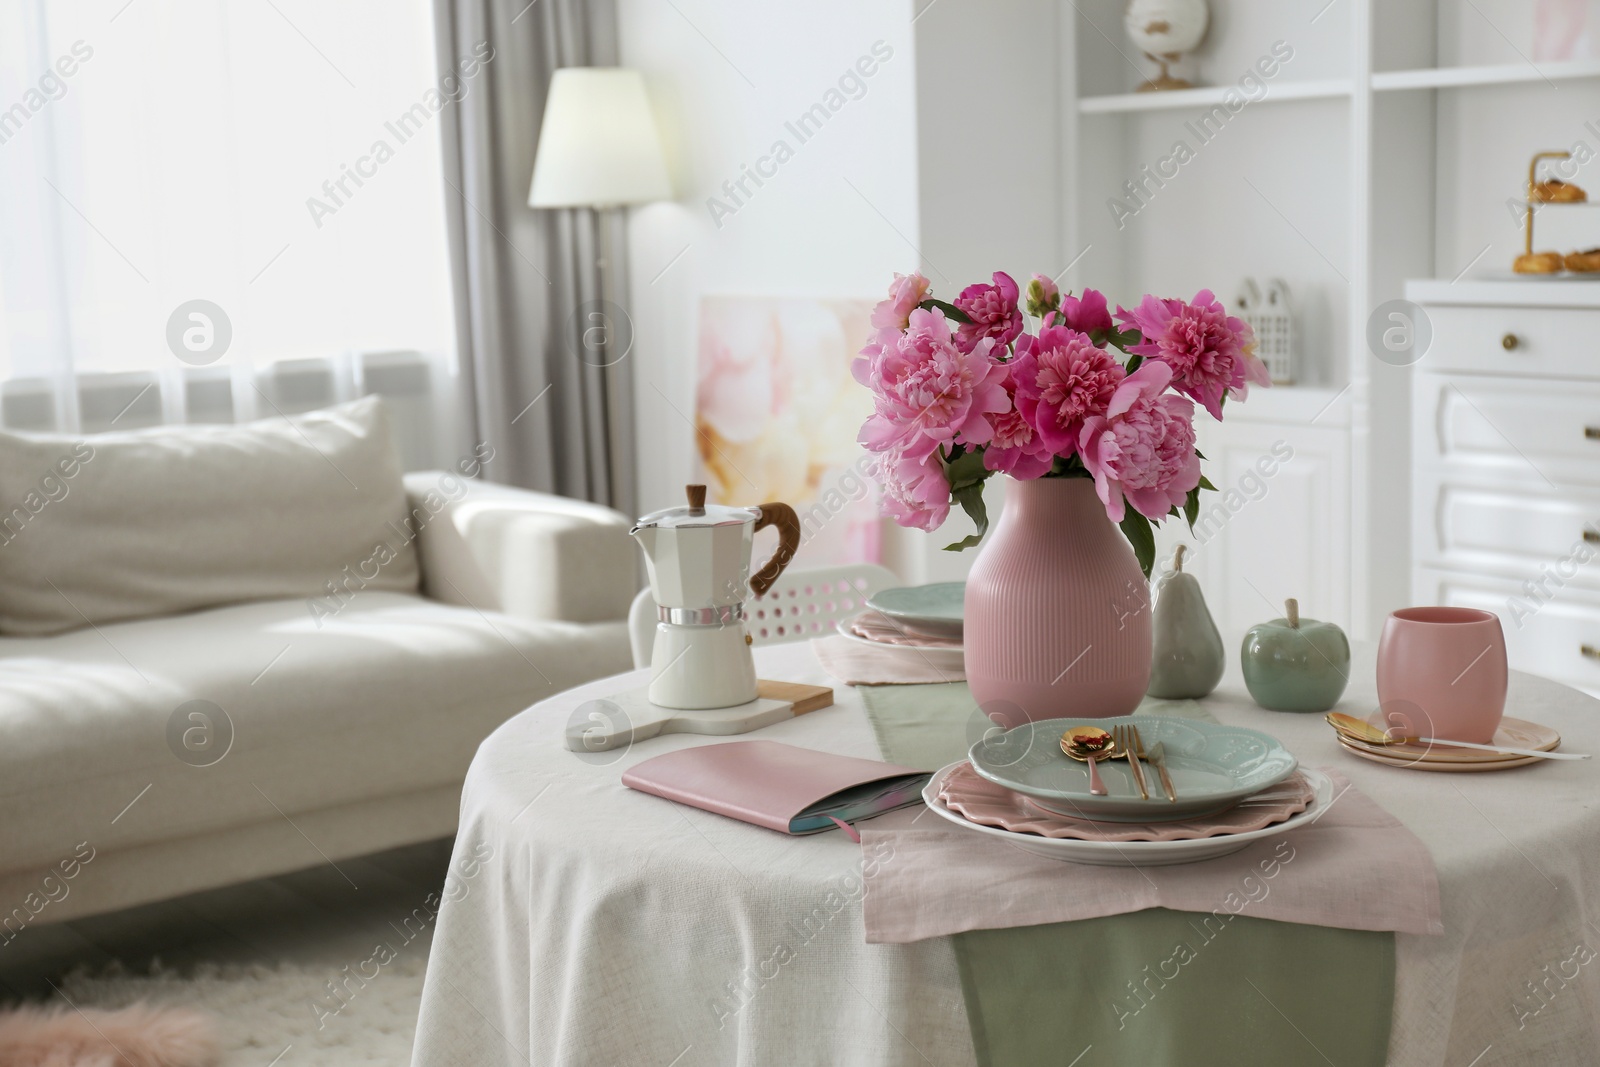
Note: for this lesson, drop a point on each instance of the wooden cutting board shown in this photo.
(623, 718)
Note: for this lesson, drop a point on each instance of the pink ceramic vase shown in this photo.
(1442, 673)
(1057, 610)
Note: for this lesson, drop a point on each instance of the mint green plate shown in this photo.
(1213, 767)
(932, 610)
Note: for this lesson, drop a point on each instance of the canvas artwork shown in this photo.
(1566, 29)
(777, 413)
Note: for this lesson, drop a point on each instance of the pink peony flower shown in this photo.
(907, 291)
(1016, 449)
(1142, 449)
(915, 490)
(1086, 313)
(1044, 296)
(1255, 371)
(1061, 380)
(993, 311)
(1200, 341)
(927, 391)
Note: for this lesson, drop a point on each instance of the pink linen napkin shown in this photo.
(1357, 867)
(856, 664)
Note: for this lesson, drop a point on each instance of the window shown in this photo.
(266, 156)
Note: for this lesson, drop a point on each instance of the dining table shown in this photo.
(588, 923)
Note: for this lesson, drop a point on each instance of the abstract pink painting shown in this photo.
(776, 415)
(1565, 29)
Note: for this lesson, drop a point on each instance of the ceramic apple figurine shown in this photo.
(1186, 660)
(1295, 664)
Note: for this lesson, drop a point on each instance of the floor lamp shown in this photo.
(599, 149)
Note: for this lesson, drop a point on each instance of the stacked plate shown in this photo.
(1234, 786)
(926, 610)
(922, 622)
(1513, 733)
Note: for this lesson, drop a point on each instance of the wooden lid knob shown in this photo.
(697, 497)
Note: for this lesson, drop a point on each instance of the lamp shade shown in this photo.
(598, 144)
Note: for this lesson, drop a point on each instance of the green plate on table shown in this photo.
(932, 610)
(1213, 767)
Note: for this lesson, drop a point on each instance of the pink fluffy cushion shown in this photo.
(137, 1036)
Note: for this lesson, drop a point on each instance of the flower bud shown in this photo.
(1044, 296)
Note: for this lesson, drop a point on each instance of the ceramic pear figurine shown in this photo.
(1186, 660)
(1295, 664)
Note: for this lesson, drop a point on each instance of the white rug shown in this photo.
(287, 1011)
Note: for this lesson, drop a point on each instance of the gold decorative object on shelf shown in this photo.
(1551, 191)
(1556, 191)
(1584, 262)
(1164, 30)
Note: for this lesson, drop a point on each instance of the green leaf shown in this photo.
(966, 468)
(1136, 528)
(1205, 483)
(1191, 507)
(950, 310)
(1133, 363)
(970, 497)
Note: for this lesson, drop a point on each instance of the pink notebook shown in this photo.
(784, 788)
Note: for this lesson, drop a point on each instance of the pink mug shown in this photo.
(1442, 673)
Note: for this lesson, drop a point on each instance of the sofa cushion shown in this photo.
(101, 739)
(125, 525)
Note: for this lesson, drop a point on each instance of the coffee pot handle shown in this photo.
(783, 517)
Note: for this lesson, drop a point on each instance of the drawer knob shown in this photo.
(1591, 536)
(1592, 433)
(1589, 651)
(1509, 342)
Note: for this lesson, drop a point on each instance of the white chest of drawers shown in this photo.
(1506, 465)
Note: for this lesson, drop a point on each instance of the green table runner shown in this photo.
(1257, 992)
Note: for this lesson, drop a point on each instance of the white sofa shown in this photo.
(350, 734)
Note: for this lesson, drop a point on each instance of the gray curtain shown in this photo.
(544, 372)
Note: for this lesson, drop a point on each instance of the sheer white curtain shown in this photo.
(278, 158)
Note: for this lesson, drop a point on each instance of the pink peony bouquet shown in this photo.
(962, 390)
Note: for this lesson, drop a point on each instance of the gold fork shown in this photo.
(1126, 742)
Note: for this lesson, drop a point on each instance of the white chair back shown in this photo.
(801, 604)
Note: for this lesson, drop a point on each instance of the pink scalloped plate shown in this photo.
(983, 802)
(882, 630)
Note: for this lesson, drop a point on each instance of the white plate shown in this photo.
(939, 659)
(1135, 853)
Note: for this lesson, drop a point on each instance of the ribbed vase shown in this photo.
(1057, 610)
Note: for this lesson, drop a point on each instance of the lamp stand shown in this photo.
(618, 337)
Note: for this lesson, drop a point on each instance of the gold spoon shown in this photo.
(1089, 744)
(1363, 731)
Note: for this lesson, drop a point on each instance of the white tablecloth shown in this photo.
(585, 923)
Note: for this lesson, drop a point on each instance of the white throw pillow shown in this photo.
(114, 526)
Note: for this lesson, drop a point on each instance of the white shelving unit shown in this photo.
(1497, 74)
(1207, 96)
(1390, 146)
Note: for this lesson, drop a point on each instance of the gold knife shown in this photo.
(1158, 756)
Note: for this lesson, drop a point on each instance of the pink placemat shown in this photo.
(1356, 867)
(857, 664)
